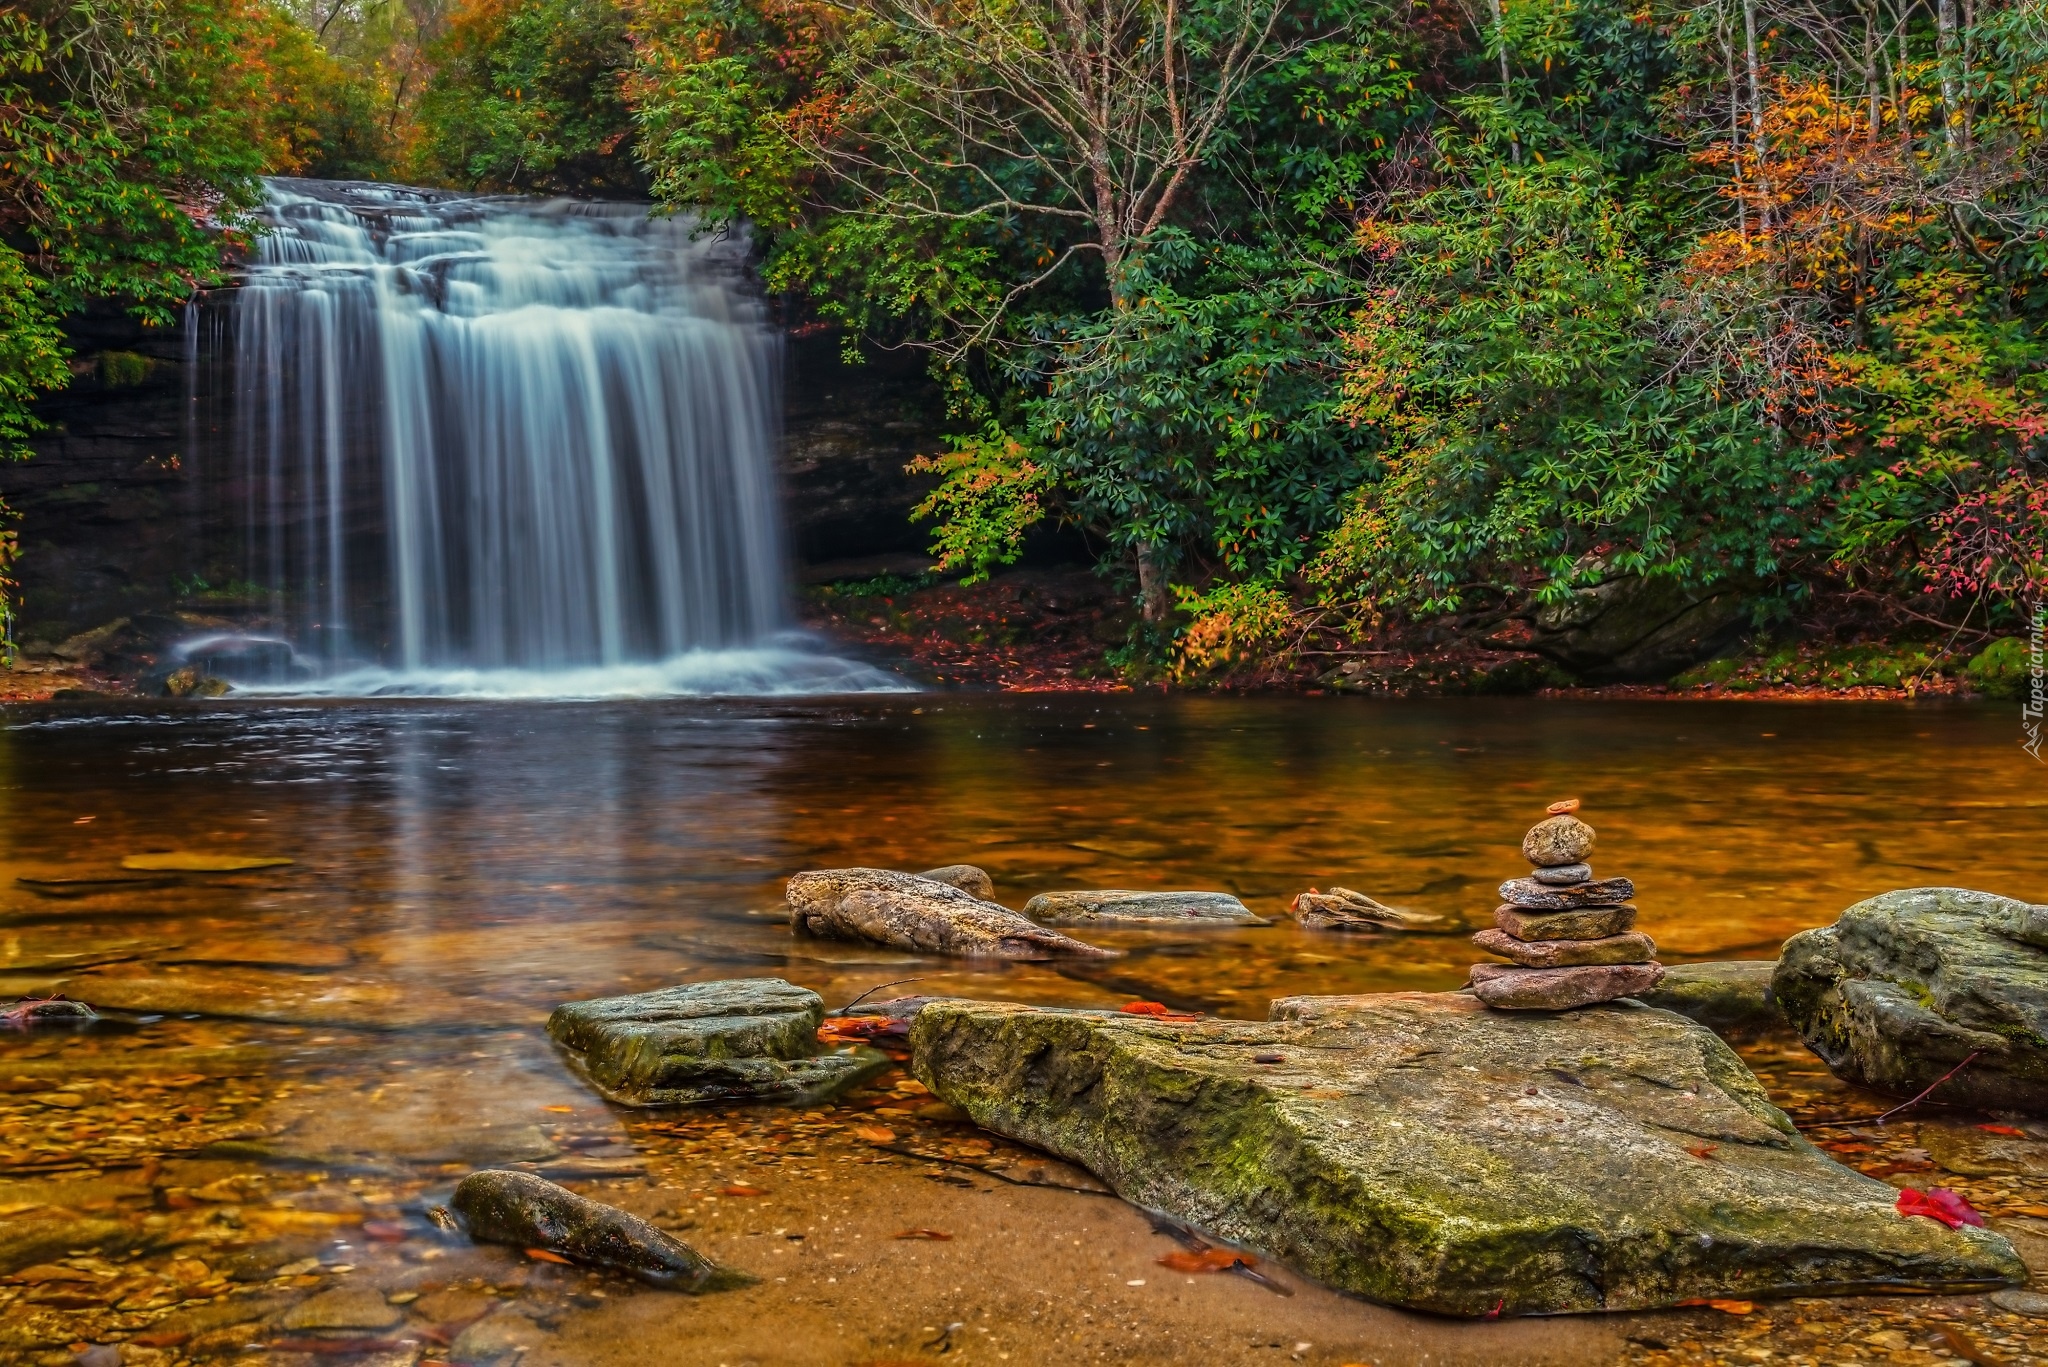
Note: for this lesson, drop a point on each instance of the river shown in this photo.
(304, 1053)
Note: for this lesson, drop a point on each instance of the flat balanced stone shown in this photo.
(1559, 841)
(743, 1039)
(1422, 1151)
(1527, 892)
(1594, 924)
(1510, 987)
(1113, 906)
(1906, 986)
(1564, 874)
(1632, 948)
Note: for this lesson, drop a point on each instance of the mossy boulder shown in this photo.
(1731, 997)
(2002, 669)
(738, 1040)
(1420, 1150)
(1906, 986)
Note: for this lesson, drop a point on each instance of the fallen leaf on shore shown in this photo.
(874, 1134)
(1206, 1260)
(737, 1190)
(1157, 1010)
(189, 861)
(2014, 1131)
(1701, 1150)
(937, 1235)
(544, 1256)
(1725, 1307)
(1940, 1204)
(559, 1110)
(1968, 1349)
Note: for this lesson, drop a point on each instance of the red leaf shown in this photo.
(1939, 1204)
(2003, 1129)
(1208, 1260)
(1157, 1009)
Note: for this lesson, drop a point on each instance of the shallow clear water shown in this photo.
(343, 1034)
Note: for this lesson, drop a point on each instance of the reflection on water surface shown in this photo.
(317, 1046)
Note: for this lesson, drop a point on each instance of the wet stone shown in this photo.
(345, 1307)
(1535, 896)
(919, 916)
(738, 1040)
(1911, 986)
(1592, 924)
(1731, 997)
(1420, 1150)
(1508, 987)
(2022, 1302)
(525, 1211)
(1631, 948)
(1563, 875)
(497, 1337)
(973, 881)
(1558, 841)
(1113, 906)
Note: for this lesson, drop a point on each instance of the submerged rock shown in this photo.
(525, 1211)
(973, 881)
(1114, 906)
(1419, 1150)
(740, 1040)
(1729, 997)
(1343, 909)
(907, 912)
(34, 1011)
(1906, 986)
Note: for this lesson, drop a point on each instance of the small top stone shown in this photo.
(1564, 808)
(1558, 840)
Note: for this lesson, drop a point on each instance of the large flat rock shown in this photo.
(737, 1040)
(1909, 986)
(1420, 1150)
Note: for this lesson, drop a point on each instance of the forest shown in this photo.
(1312, 317)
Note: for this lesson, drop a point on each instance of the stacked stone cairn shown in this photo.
(1570, 937)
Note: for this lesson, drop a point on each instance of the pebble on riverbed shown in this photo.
(1569, 936)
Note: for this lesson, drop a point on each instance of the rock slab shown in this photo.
(525, 1211)
(737, 1040)
(1114, 906)
(1511, 987)
(1905, 986)
(1419, 1150)
(1731, 997)
(919, 915)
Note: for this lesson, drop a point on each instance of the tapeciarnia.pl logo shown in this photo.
(2037, 681)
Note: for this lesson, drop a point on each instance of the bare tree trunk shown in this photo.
(1734, 122)
(1756, 112)
(1870, 85)
(1951, 95)
(1500, 40)
(1152, 595)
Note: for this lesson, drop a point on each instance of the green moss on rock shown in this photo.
(1422, 1151)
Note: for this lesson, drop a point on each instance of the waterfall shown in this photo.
(494, 438)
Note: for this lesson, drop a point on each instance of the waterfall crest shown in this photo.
(489, 437)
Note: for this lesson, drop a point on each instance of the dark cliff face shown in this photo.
(129, 508)
(105, 509)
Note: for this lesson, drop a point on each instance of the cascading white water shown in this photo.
(501, 444)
